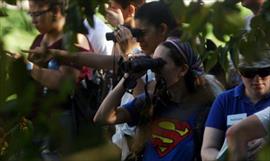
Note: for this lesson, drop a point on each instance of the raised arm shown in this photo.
(108, 112)
(212, 142)
(54, 78)
(91, 60)
(78, 59)
(240, 134)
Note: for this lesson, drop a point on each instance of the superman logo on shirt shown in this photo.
(167, 134)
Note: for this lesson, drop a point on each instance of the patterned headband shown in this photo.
(191, 58)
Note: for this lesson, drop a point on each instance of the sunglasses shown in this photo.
(252, 72)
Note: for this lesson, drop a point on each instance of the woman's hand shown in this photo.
(15, 56)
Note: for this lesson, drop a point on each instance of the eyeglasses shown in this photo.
(252, 72)
(38, 13)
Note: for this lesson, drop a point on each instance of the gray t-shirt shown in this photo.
(264, 117)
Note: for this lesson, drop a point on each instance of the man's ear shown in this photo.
(183, 70)
(163, 29)
(131, 10)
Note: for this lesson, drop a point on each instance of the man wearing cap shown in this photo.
(232, 106)
(240, 134)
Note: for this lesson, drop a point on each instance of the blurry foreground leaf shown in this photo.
(11, 2)
(228, 20)
(3, 12)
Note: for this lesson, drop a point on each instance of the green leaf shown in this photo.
(69, 40)
(3, 12)
(178, 13)
(11, 2)
(75, 18)
(223, 57)
(197, 22)
(228, 21)
(211, 61)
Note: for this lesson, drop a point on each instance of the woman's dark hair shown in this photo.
(179, 60)
(125, 3)
(156, 13)
(195, 94)
(53, 4)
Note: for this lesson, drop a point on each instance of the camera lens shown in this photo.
(135, 33)
(141, 64)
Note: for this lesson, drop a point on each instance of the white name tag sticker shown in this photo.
(233, 119)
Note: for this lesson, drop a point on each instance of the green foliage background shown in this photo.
(220, 22)
(17, 31)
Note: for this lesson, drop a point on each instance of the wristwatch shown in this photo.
(29, 66)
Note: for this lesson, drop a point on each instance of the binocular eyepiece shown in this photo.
(142, 63)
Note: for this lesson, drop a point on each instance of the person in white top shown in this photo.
(96, 36)
(239, 135)
(264, 117)
(118, 13)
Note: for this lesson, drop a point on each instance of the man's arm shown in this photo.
(212, 142)
(78, 59)
(92, 60)
(241, 133)
(54, 78)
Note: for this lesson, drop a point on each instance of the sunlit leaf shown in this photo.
(197, 17)
(175, 6)
(3, 12)
(11, 2)
(69, 39)
(14, 81)
(264, 154)
(223, 57)
(211, 60)
(227, 22)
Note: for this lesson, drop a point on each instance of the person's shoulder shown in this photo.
(141, 97)
(37, 41)
(229, 92)
(83, 42)
(214, 84)
(99, 26)
(228, 95)
(97, 36)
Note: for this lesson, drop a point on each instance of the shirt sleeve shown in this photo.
(134, 107)
(216, 117)
(264, 117)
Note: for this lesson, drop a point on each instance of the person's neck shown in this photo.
(56, 33)
(254, 98)
(51, 37)
(178, 91)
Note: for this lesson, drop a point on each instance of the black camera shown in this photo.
(142, 63)
(135, 33)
